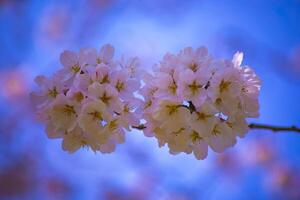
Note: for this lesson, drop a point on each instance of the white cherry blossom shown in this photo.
(132, 66)
(93, 115)
(204, 119)
(194, 59)
(249, 93)
(191, 86)
(129, 115)
(63, 114)
(221, 137)
(115, 134)
(179, 141)
(167, 87)
(72, 64)
(93, 57)
(168, 65)
(107, 94)
(50, 88)
(124, 86)
(198, 143)
(101, 74)
(171, 115)
(73, 140)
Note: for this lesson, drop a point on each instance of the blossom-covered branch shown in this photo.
(190, 101)
(191, 108)
(251, 126)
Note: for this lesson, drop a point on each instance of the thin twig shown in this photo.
(274, 128)
(139, 127)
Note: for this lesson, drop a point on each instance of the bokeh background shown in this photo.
(264, 165)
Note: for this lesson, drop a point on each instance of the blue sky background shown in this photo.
(264, 165)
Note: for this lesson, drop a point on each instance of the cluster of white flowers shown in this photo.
(192, 101)
(90, 101)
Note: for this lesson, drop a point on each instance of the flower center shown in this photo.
(96, 115)
(195, 136)
(171, 109)
(173, 87)
(202, 116)
(194, 87)
(76, 68)
(105, 98)
(193, 66)
(176, 133)
(78, 96)
(126, 109)
(216, 131)
(120, 86)
(69, 110)
(113, 125)
(224, 86)
(105, 79)
(53, 93)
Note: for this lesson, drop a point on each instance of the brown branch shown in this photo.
(139, 127)
(192, 109)
(274, 128)
(251, 126)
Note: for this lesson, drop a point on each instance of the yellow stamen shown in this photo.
(224, 86)
(173, 87)
(69, 110)
(172, 109)
(218, 101)
(126, 109)
(105, 79)
(202, 116)
(76, 68)
(105, 98)
(195, 136)
(113, 125)
(78, 96)
(216, 131)
(193, 66)
(120, 86)
(194, 87)
(96, 115)
(53, 93)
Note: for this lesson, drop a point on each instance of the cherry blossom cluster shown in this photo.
(193, 101)
(190, 101)
(90, 101)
